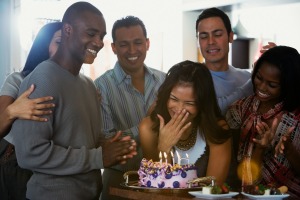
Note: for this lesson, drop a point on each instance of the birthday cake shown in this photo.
(165, 175)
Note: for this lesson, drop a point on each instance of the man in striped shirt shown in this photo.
(127, 91)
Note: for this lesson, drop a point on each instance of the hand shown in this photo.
(284, 142)
(267, 47)
(118, 150)
(32, 109)
(265, 134)
(170, 133)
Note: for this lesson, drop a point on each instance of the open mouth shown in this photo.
(261, 94)
(94, 52)
(133, 58)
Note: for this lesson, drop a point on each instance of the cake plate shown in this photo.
(201, 182)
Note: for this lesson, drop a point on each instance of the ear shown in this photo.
(231, 37)
(113, 47)
(67, 29)
(147, 43)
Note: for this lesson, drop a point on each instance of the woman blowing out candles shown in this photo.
(187, 119)
(269, 146)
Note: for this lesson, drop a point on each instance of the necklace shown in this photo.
(185, 145)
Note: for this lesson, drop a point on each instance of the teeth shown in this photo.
(92, 51)
(262, 94)
(132, 58)
(212, 51)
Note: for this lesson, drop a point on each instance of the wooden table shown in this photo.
(137, 194)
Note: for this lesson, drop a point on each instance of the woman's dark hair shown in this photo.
(197, 75)
(287, 60)
(39, 51)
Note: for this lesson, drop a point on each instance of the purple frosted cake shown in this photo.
(165, 175)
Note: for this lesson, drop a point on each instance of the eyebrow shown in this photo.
(184, 101)
(205, 32)
(276, 82)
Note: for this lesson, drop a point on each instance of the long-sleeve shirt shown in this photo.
(64, 153)
(231, 85)
(123, 106)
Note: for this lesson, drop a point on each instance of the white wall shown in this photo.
(278, 23)
(162, 18)
(170, 29)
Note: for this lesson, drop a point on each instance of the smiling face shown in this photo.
(182, 97)
(131, 47)
(87, 34)
(55, 42)
(267, 83)
(214, 43)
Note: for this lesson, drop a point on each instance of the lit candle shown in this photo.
(178, 158)
(160, 157)
(166, 157)
(187, 157)
(173, 159)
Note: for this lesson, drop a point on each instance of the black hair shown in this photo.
(215, 12)
(39, 51)
(127, 22)
(287, 60)
(209, 113)
(76, 9)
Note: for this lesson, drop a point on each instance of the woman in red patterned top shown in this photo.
(269, 147)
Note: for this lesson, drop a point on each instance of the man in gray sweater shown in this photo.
(67, 151)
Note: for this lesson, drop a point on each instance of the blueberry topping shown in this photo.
(161, 185)
(176, 184)
(183, 174)
(148, 183)
(168, 176)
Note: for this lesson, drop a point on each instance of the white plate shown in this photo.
(267, 197)
(199, 194)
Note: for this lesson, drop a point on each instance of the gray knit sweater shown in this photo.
(64, 153)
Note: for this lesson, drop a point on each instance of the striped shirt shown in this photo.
(123, 106)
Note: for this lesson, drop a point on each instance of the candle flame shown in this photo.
(187, 155)
(160, 155)
(178, 156)
(165, 155)
(172, 155)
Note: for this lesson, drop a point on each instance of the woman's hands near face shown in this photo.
(170, 133)
(31, 109)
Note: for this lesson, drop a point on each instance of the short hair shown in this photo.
(127, 22)
(215, 12)
(39, 50)
(76, 9)
(198, 76)
(287, 60)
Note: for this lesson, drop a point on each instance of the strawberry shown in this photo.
(225, 189)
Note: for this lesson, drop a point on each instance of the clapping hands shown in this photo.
(265, 133)
(118, 150)
(266, 136)
(284, 142)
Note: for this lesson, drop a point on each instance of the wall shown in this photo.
(278, 23)
(171, 29)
